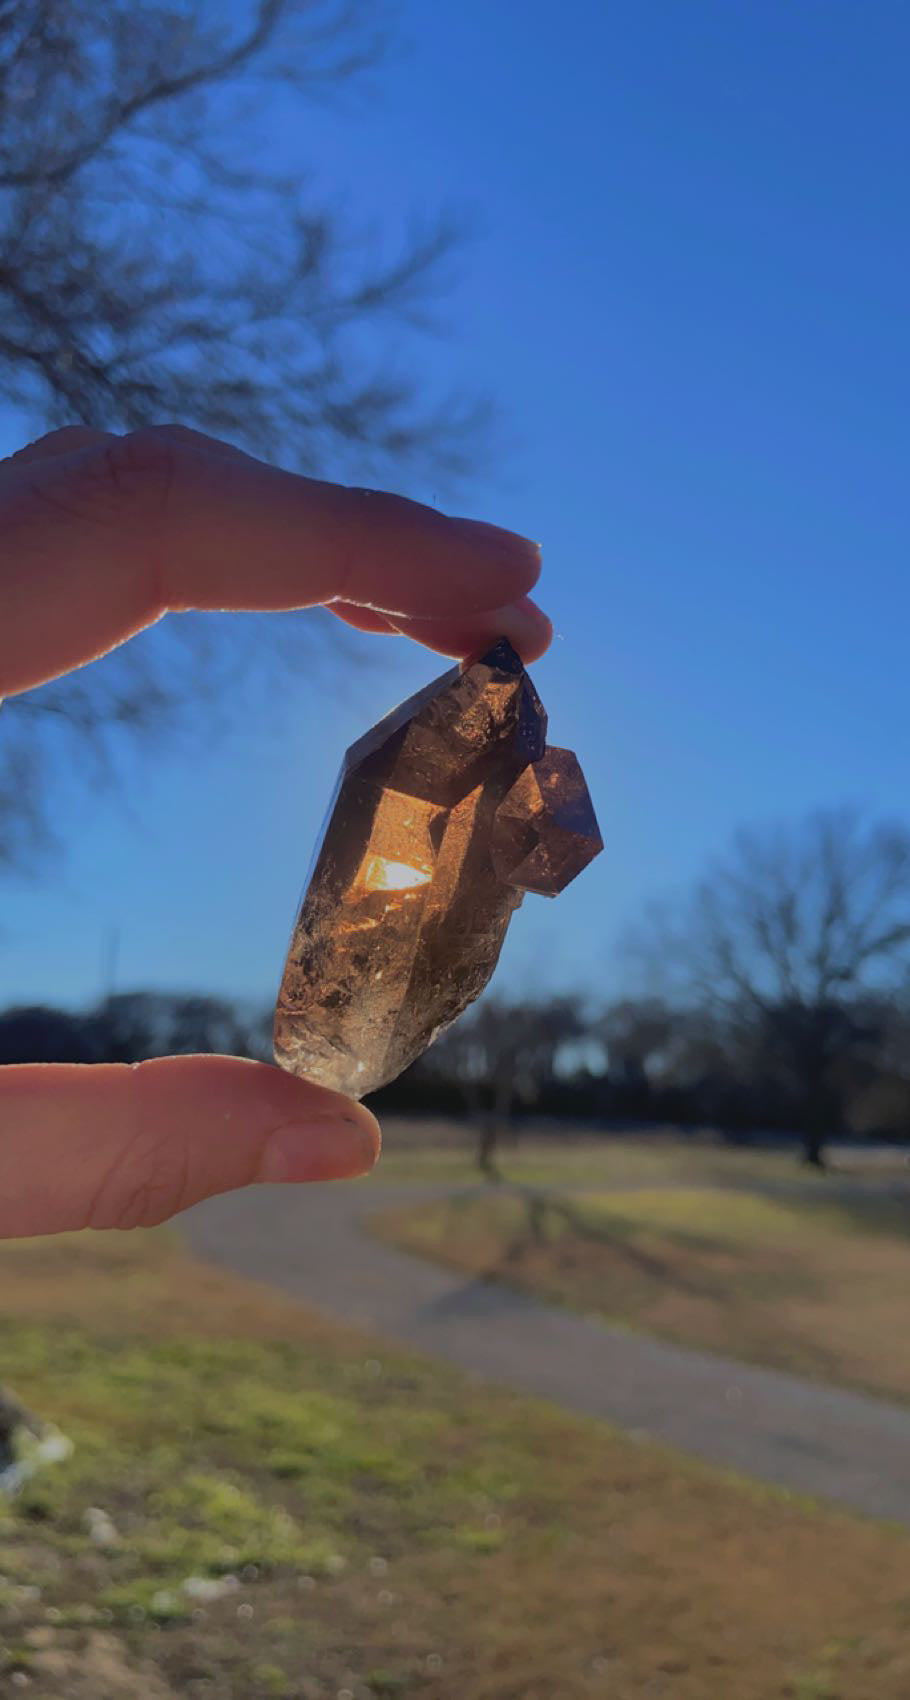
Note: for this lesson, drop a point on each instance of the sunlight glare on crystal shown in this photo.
(380, 874)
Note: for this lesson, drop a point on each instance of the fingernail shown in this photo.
(319, 1151)
(503, 541)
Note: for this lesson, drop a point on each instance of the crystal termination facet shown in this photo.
(444, 815)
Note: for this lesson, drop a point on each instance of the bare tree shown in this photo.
(881, 1104)
(790, 948)
(503, 1055)
(637, 1031)
(156, 264)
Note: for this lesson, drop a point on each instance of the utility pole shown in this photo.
(110, 957)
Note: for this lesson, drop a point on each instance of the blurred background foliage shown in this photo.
(156, 266)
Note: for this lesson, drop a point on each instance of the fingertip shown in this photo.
(525, 625)
(341, 1148)
(371, 1131)
(279, 1127)
(407, 560)
(326, 1137)
(534, 631)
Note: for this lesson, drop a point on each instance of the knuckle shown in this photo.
(64, 437)
(92, 488)
(145, 1187)
(143, 463)
(176, 434)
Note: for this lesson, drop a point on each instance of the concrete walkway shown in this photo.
(310, 1242)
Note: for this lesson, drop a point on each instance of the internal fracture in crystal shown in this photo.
(444, 815)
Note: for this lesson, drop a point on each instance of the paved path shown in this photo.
(311, 1243)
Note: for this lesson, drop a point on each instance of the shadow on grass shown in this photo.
(550, 1218)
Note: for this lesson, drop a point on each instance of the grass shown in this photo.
(358, 1523)
(816, 1285)
(443, 1151)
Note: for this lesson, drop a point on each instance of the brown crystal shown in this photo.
(545, 831)
(445, 813)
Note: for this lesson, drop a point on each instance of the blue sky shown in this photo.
(689, 297)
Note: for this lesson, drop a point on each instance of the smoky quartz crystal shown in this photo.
(444, 815)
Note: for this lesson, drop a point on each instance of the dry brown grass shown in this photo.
(818, 1288)
(492, 1548)
(557, 1154)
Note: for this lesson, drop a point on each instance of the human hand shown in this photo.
(100, 536)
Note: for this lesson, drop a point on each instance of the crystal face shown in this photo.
(444, 815)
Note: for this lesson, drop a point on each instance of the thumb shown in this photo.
(119, 1146)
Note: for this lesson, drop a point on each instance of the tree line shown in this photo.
(636, 1061)
(776, 999)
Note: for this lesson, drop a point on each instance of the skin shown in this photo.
(100, 536)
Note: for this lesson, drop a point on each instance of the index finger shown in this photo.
(100, 541)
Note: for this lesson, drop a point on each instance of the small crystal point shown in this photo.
(445, 813)
(546, 831)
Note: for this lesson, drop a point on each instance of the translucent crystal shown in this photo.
(445, 813)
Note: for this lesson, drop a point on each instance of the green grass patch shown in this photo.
(299, 1513)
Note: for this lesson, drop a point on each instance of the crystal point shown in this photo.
(545, 829)
(445, 813)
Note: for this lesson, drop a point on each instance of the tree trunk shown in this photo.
(486, 1147)
(814, 1150)
(493, 1122)
(816, 1125)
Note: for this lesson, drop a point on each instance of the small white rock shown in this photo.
(209, 1588)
